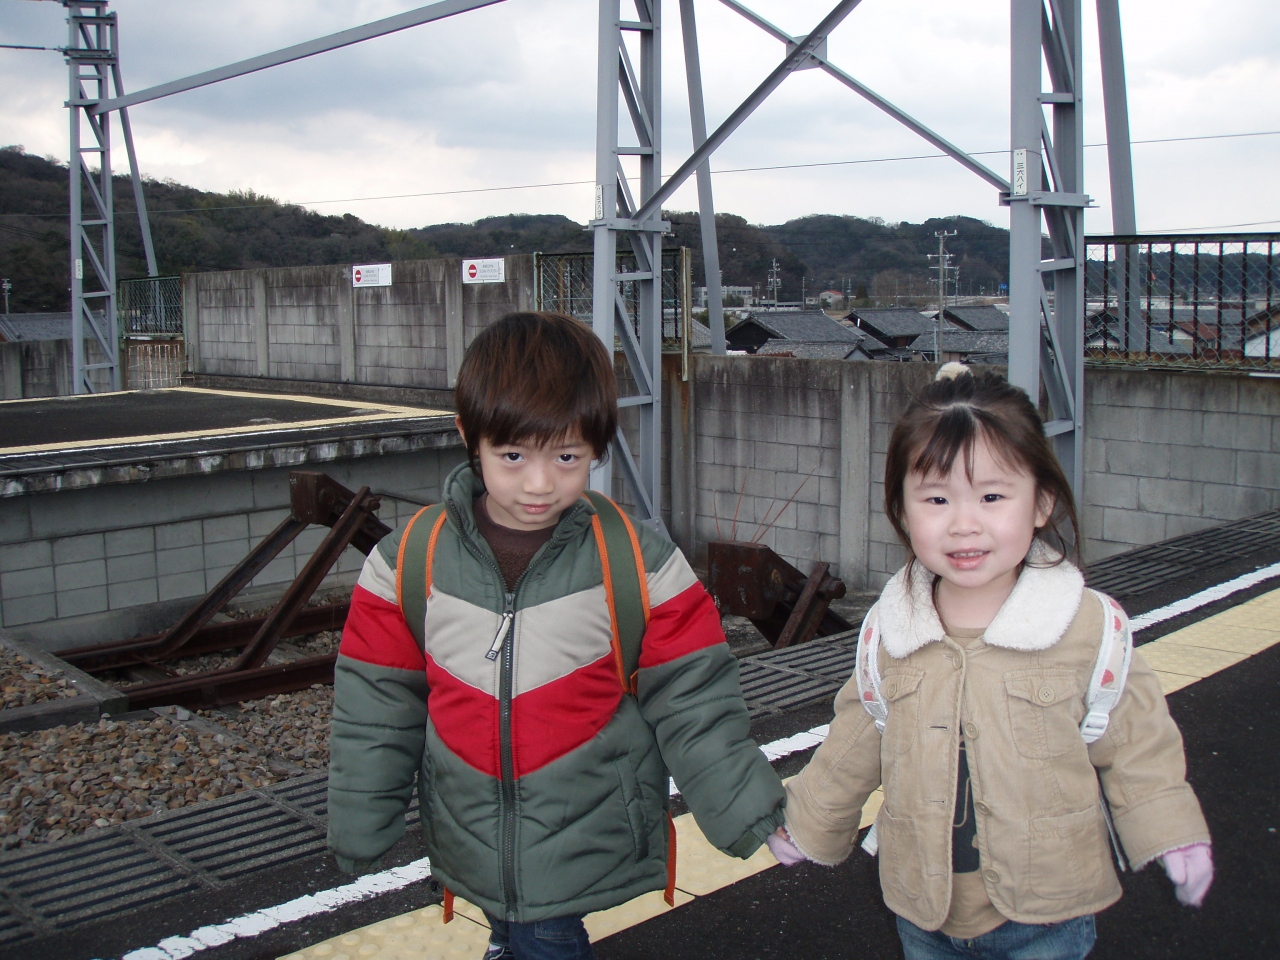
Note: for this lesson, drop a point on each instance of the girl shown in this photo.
(993, 839)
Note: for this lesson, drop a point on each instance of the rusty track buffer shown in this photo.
(314, 499)
(750, 580)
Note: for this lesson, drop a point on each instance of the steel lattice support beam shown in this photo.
(1046, 328)
(637, 81)
(91, 55)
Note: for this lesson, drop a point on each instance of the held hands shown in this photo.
(1189, 868)
(783, 850)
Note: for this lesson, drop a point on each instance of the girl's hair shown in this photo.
(946, 420)
(537, 378)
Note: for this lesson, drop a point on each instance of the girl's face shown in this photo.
(974, 533)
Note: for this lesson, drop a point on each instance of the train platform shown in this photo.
(1206, 610)
(95, 439)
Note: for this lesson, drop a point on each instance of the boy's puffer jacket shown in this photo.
(1018, 698)
(543, 789)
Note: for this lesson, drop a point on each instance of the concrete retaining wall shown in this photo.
(1167, 452)
(310, 324)
(85, 566)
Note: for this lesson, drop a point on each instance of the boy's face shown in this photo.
(530, 485)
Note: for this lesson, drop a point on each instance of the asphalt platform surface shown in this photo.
(140, 414)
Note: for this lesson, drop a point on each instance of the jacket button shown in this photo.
(1045, 694)
(971, 731)
(982, 808)
(992, 876)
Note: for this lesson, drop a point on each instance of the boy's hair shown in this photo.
(946, 420)
(537, 378)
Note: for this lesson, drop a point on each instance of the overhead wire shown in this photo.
(576, 183)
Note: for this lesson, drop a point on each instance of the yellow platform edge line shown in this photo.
(699, 865)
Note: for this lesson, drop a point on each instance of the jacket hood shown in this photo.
(1043, 603)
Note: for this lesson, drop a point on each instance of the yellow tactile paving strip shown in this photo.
(1179, 659)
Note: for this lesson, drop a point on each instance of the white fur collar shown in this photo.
(1038, 612)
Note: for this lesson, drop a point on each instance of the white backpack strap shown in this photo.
(1110, 671)
(867, 670)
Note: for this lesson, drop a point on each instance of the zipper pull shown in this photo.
(508, 615)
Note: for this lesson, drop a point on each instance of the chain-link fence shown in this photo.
(1190, 300)
(151, 306)
(564, 282)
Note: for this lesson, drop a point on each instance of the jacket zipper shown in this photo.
(506, 637)
(504, 644)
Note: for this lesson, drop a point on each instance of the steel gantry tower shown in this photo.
(1044, 190)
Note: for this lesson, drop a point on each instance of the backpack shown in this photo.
(1106, 684)
(626, 585)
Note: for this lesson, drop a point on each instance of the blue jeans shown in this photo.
(1069, 940)
(559, 938)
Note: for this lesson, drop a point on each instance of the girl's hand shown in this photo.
(783, 850)
(1191, 870)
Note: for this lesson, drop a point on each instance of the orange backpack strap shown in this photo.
(413, 567)
(626, 584)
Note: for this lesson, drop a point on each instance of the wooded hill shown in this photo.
(197, 230)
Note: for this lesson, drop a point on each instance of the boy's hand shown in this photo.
(360, 867)
(783, 850)
(1191, 870)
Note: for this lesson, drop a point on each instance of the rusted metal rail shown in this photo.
(314, 499)
(750, 580)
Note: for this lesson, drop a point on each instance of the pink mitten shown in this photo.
(783, 850)
(1191, 870)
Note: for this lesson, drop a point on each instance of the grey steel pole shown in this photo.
(1124, 214)
(706, 204)
(1026, 120)
(139, 198)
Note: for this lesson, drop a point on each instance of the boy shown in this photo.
(543, 786)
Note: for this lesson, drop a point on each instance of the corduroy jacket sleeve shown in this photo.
(379, 718)
(690, 695)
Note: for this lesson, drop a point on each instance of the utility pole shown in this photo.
(944, 259)
(773, 282)
(6, 286)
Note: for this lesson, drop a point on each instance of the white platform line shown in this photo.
(260, 921)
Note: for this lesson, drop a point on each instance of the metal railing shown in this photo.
(1204, 300)
(150, 306)
(564, 284)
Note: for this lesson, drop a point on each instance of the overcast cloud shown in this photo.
(505, 96)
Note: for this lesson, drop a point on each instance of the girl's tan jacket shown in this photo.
(1019, 700)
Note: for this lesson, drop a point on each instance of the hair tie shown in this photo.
(951, 370)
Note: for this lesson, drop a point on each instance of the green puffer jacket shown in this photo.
(543, 788)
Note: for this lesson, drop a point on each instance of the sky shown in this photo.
(438, 116)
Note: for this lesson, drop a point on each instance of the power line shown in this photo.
(578, 183)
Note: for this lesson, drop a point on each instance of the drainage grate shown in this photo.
(786, 679)
(161, 857)
(1146, 568)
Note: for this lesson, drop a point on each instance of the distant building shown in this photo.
(892, 326)
(799, 326)
(730, 296)
(967, 346)
(867, 348)
(987, 318)
(34, 327)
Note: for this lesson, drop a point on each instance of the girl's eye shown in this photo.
(937, 501)
(991, 498)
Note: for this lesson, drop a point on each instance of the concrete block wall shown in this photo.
(310, 324)
(1167, 452)
(1171, 452)
(42, 368)
(86, 566)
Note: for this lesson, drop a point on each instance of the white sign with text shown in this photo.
(493, 270)
(371, 275)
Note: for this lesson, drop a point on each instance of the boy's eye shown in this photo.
(992, 498)
(568, 458)
(512, 457)
(937, 501)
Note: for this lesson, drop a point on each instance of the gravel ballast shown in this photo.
(24, 682)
